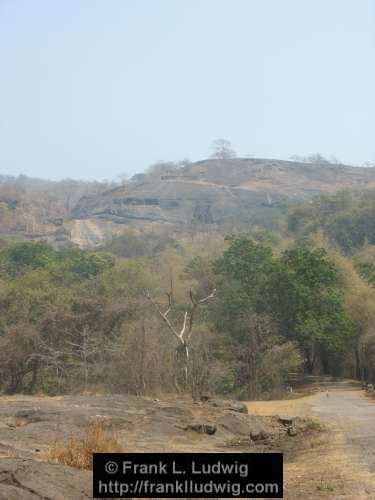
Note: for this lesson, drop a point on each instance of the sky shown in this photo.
(96, 89)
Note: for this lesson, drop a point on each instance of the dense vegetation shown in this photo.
(73, 320)
(141, 315)
(347, 218)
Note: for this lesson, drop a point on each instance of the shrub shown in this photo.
(77, 452)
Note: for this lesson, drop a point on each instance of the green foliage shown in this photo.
(347, 218)
(312, 268)
(74, 264)
(367, 271)
(299, 291)
(71, 319)
(72, 302)
(22, 257)
(249, 264)
(307, 300)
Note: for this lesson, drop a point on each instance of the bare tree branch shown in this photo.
(164, 316)
(188, 318)
(195, 305)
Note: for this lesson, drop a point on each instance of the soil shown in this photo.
(340, 462)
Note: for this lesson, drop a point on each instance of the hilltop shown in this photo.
(213, 194)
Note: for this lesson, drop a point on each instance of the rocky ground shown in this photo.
(29, 426)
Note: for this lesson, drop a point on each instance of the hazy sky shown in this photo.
(92, 89)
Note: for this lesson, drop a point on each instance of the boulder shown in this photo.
(286, 420)
(242, 425)
(292, 430)
(228, 404)
(259, 435)
(202, 428)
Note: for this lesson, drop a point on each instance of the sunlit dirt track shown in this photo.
(341, 464)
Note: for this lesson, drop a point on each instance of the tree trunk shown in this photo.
(358, 370)
(310, 359)
(35, 371)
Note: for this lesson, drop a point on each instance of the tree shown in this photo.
(18, 357)
(306, 298)
(360, 303)
(248, 266)
(163, 168)
(319, 159)
(316, 158)
(183, 335)
(123, 178)
(300, 291)
(243, 316)
(21, 257)
(222, 149)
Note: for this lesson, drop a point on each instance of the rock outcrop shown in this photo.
(29, 426)
(211, 194)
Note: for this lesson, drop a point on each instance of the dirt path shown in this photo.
(86, 233)
(341, 463)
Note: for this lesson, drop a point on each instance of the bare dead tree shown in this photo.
(86, 349)
(54, 359)
(184, 334)
(141, 389)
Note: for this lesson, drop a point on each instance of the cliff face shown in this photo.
(220, 194)
(234, 193)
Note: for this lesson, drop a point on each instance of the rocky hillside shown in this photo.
(211, 194)
(222, 194)
(40, 209)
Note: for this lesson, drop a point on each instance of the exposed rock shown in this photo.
(175, 411)
(205, 397)
(286, 420)
(32, 415)
(240, 425)
(243, 192)
(202, 428)
(29, 480)
(292, 430)
(231, 405)
(139, 424)
(259, 435)
(218, 193)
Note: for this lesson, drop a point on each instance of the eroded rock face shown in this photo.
(216, 193)
(219, 194)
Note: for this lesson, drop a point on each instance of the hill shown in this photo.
(216, 194)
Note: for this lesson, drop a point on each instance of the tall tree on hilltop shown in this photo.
(222, 149)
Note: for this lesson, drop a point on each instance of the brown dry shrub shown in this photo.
(77, 451)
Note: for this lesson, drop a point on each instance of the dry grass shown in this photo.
(77, 451)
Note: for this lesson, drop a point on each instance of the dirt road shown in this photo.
(341, 463)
